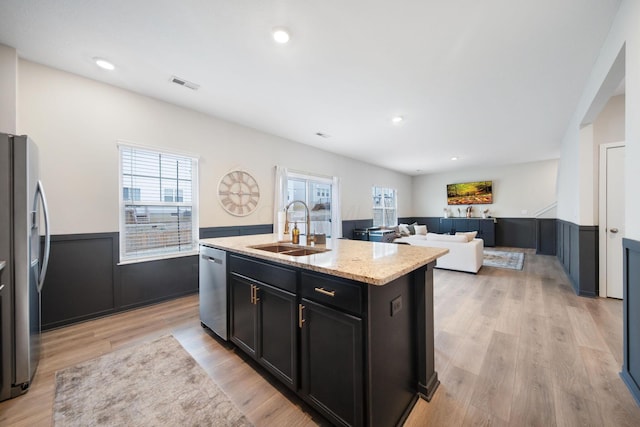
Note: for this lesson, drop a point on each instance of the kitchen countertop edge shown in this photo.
(369, 262)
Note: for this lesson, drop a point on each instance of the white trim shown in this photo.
(195, 204)
(125, 143)
(305, 175)
(602, 215)
(158, 257)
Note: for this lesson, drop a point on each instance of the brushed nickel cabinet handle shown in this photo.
(300, 317)
(325, 292)
(253, 290)
(255, 295)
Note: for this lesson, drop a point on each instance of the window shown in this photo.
(158, 209)
(320, 194)
(385, 207)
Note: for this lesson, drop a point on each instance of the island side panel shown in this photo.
(423, 288)
(391, 340)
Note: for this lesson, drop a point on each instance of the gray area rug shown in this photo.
(503, 259)
(153, 384)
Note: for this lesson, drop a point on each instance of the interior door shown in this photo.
(614, 227)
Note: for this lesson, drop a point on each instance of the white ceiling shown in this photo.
(490, 81)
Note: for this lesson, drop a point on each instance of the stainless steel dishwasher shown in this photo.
(213, 290)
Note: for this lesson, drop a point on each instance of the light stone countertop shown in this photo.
(369, 262)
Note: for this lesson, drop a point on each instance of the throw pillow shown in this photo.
(404, 229)
(421, 229)
(470, 235)
(412, 228)
(446, 238)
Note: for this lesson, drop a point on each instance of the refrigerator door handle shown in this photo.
(47, 236)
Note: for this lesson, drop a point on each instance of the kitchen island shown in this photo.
(348, 326)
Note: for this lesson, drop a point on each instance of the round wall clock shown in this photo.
(239, 193)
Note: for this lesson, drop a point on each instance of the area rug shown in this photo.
(503, 259)
(153, 384)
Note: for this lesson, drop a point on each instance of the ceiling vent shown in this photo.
(185, 83)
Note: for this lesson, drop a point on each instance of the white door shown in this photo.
(614, 222)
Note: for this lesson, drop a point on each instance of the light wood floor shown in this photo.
(515, 348)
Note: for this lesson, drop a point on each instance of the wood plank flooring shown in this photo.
(513, 348)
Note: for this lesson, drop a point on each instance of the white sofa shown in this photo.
(465, 251)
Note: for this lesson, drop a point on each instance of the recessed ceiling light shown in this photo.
(454, 158)
(281, 35)
(104, 64)
(397, 119)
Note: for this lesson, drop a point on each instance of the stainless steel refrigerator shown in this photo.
(23, 208)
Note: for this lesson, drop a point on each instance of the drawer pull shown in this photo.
(254, 296)
(325, 292)
(300, 318)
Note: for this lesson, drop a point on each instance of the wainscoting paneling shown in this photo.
(212, 232)
(80, 279)
(546, 236)
(147, 282)
(631, 316)
(577, 251)
(516, 232)
(84, 280)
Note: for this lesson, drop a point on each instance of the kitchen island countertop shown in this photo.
(369, 262)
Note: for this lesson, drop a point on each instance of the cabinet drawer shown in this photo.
(270, 274)
(332, 292)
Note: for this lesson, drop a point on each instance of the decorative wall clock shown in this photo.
(239, 193)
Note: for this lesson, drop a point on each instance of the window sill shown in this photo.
(158, 257)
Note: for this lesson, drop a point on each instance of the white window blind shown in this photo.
(385, 207)
(158, 204)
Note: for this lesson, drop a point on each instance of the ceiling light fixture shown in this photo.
(104, 64)
(397, 120)
(454, 158)
(281, 35)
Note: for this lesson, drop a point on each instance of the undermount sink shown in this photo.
(289, 249)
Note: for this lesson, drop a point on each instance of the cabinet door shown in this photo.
(446, 225)
(488, 229)
(472, 225)
(277, 333)
(243, 314)
(332, 363)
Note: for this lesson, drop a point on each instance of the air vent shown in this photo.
(185, 83)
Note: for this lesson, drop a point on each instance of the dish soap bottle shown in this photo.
(295, 234)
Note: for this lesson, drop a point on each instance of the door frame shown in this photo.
(602, 215)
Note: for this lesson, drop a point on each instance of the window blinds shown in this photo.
(158, 203)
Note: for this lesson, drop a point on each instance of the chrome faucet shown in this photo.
(310, 237)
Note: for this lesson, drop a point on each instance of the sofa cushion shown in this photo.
(421, 229)
(469, 234)
(446, 238)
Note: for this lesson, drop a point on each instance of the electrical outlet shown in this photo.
(396, 305)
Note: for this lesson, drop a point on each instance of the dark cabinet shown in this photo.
(277, 335)
(487, 232)
(347, 348)
(485, 227)
(243, 314)
(263, 318)
(332, 363)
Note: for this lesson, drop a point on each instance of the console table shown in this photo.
(486, 227)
